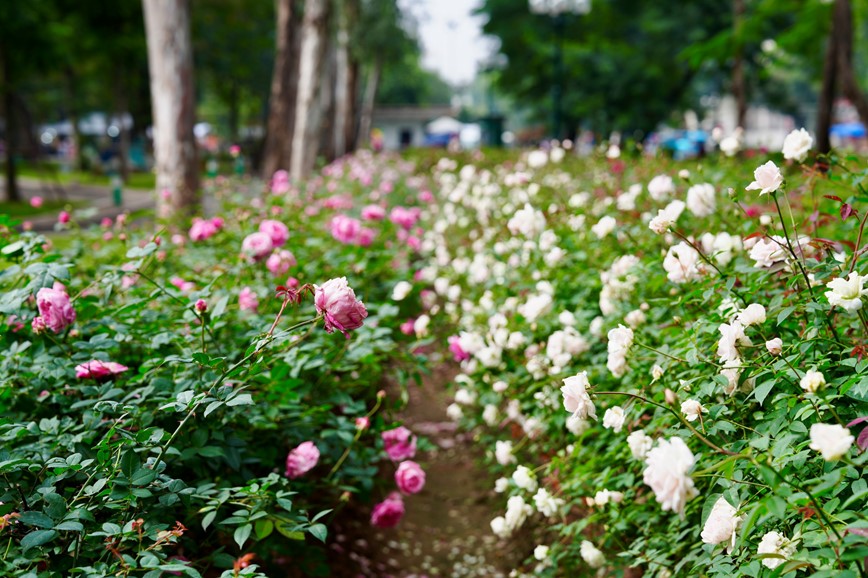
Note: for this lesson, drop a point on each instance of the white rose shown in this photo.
(640, 443)
(812, 381)
(661, 187)
(847, 293)
(524, 479)
(775, 346)
(797, 144)
(692, 409)
(591, 555)
(401, 290)
(831, 440)
(614, 419)
(767, 179)
(604, 226)
(754, 314)
(778, 545)
(541, 552)
(576, 398)
(668, 474)
(666, 217)
(701, 200)
(721, 524)
(503, 452)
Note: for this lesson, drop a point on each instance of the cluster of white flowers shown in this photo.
(620, 342)
(667, 472)
(576, 398)
(721, 525)
(619, 281)
(683, 263)
(517, 511)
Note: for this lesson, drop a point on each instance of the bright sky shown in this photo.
(451, 37)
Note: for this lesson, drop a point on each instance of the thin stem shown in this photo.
(680, 418)
(649, 348)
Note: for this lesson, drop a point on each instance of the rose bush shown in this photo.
(707, 367)
(173, 402)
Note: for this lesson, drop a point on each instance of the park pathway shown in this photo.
(446, 530)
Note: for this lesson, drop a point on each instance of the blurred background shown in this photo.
(123, 92)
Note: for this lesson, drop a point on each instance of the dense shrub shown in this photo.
(154, 383)
(669, 370)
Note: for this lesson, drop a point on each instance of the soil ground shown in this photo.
(445, 531)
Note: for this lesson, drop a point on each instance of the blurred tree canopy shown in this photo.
(630, 64)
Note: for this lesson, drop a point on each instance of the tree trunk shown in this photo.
(366, 119)
(842, 31)
(13, 194)
(313, 31)
(77, 161)
(170, 62)
(826, 100)
(121, 106)
(281, 104)
(351, 124)
(739, 89)
(322, 128)
(342, 94)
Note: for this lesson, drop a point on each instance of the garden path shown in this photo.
(445, 531)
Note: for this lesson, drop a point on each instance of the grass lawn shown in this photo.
(51, 172)
(48, 207)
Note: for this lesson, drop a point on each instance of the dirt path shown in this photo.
(445, 531)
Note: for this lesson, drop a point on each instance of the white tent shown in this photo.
(444, 125)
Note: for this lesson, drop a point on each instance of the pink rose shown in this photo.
(337, 302)
(301, 460)
(363, 423)
(399, 443)
(278, 232)
(36, 202)
(404, 217)
(184, 286)
(97, 369)
(203, 229)
(63, 217)
(410, 477)
(408, 327)
(38, 325)
(345, 229)
(256, 247)
(280, 183)
(247, 300)
(457, 351)
(366, 237)
(279, 262)
(389, 512)
(201, 305)
(373, 213)
(54, 308)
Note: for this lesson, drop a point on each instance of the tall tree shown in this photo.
(170, 60)
(839, 68)
(281, 103)
(310, 58)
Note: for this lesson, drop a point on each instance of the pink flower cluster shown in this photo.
(457, 351)
(301, 460)
(97, 369)
(55, 310)
(202, 229)
(400, 445)
(404, 217)
(349, 231)
(280, 183)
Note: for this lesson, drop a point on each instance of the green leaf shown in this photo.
(212, 406)
(762, 390)
(55, 505)
(37, 538)
(264, 528)
(209, 517)
(143, 477)
(786, 312)
(242, 533)
(319, 531)
(70, 526)
(241, 399)
(289, 531)
(37, 519)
